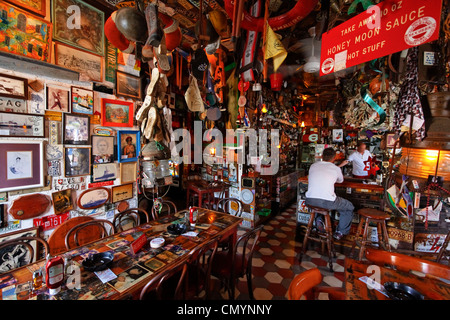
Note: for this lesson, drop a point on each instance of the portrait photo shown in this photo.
(62, 201)
(77, 161)
(128, 145)
(102, 149)
(19, 164)
(76, 129)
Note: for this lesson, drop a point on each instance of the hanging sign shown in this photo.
(388, 27)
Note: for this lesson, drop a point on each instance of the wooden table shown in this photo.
(200, 187)
(355, 289)
(133, 271)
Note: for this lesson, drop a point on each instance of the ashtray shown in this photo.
(176, 228)
(98, 261)
(400, 291)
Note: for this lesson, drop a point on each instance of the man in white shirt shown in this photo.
(360, 161)
(321, 179)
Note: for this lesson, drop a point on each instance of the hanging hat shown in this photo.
(211, 48)
(219, 22)
(132, 24)
(213, 113)
(172, 31)
(116, 38)
(199, 64)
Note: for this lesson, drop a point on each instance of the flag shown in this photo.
(274, 48)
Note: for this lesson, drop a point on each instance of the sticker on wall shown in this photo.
(54, 168)
(76, 183)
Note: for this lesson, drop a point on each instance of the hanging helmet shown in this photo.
(132, 24)
(116, 38)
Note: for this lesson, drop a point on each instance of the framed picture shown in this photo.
(21, 164)
(77, 161)
(93, 198)
(58, 98)
(128, 145)
(390, 140)
(122, 192)
(82, 100)
(128, 172)
(38, 7)
(128, 85)
(17, 256)
(88, 65)
(90, 34)
(338, 135)
(102, 149)
(13, 105)
(104, 172)
(75, 129)
(21, 125)
(116, 113)
(62, 201)
(25, 34)
(13, 87)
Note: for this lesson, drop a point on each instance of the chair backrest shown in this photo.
(212, 199)
(247, 246)
(405, 263)
(303, 284)
(444, 249)
(224, 204)
(95, 227)
(171, 209)
(133, 215)
(24, 242)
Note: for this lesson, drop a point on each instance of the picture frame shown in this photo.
(390, 140)
(38, 7)
(104, 172)
(13, 87)
(22, 125)
(90, 36)
(25, 34)
(338, 135)
(22, 164)
(13, 105)
(57, 98)
(102, 149)
(94, 198)
(13, 257)
(117, 113)
(77, 161)
(128, 172)
(88, 65)
(62, 201)
(82, 100)
(76, 129)
(121, 192)
(128, 85)
(128, 145)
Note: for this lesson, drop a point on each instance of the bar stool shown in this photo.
(368, 215)
(321, 237)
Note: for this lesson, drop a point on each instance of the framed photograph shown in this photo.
(116, 113)
(90, 35)
(24, 34)
(21, 125)
(128, 85)
(17, 256)
(82, 101)
(338, 135)
(104, 172)
(93, 198)
(390, 140)
(102, 149)
(128, 172)
(58, 98)
(122, 192)
(13, 105)
(21, 164)
(38, 7)
(75, 129)
(128, 145)
(88, 65)
(77, 161)
(62, 201)
(13, 87)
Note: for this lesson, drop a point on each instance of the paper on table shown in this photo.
(190, 234)
(105, 275)
(372, 284)
(417, 122)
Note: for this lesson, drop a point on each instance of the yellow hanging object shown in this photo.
(274, 49)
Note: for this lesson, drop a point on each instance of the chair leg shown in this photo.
(308, 232)
(357, 235)
(443, 248)
(364, 239)
(329, 232)
(250, 286)
(386, 236)
(380, 235)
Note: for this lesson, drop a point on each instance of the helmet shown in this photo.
(132, 24)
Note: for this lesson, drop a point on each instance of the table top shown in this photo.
(350, 183)
(355, 289)
(133, 270)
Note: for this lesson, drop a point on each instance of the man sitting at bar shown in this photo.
(360, 161)
(321, 179)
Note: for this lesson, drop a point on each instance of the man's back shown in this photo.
(321, 179)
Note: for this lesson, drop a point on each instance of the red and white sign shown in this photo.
(388, 27)
(50, 222)
(100, 184)
(137, 244)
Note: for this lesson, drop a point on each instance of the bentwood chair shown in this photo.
(20, 245)
(211, 197)
(130, 216)
(235, 204)
(171, 209)
(307, 284)
(96, 228)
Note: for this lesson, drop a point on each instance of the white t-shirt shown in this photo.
(357, 160)
(321, 179)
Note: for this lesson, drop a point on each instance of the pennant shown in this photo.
(274, 48)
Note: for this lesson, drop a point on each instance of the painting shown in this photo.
(38, 7)
(62, 201)
(93, 198)
(58, 98)
(76, 129)
(122, 192)
(82, 101)
(128, 172)
(102, 149)
(17, 256)
(21, 125)
(88, 65)
(77, 161)
(128, 85)
(116, 113)
(338, 135)
(85, 31)
(21, 164)
(13, 87)
(128, 145)
(104, 172)
(24, 34)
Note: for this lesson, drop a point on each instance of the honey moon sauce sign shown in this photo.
(383, 29)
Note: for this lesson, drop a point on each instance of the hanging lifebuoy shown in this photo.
(295, 15)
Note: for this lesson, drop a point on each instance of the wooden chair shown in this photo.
(134, 215)
(95, 227)
(231, 265)
(307, 284)
(24, 241)
(165, 203)
(444, 249)
(211, 199)
(224, 204)
(405, 263)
